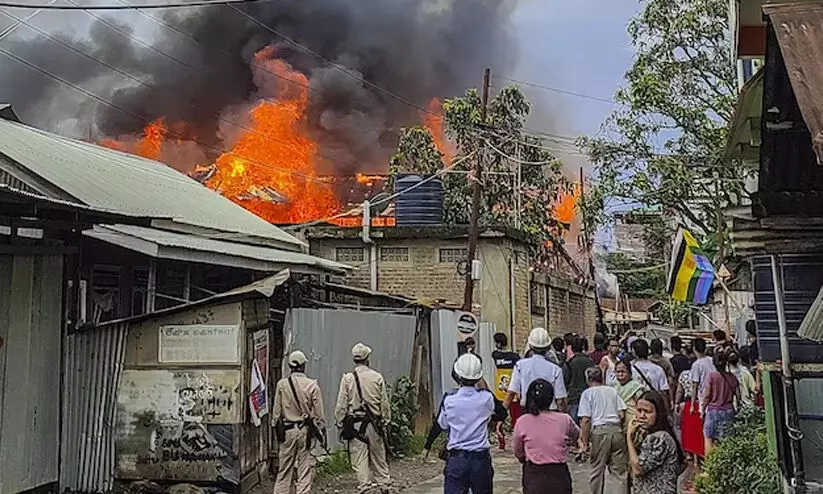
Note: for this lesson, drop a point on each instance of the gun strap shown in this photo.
(296, 398)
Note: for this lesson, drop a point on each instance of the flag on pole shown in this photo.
(691, 274)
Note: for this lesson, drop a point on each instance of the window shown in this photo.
(105, 293)
(453, 256)
(394, 254)
(349, 254)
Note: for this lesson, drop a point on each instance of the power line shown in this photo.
(557, 90)
(389, 198)
(196, 3)
(336, 66)
(134, 115)
(218, 49)
(154, 89)
(192, 68)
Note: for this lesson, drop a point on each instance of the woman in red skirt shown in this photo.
(691, 425)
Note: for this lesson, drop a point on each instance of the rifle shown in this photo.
(371, 418)
(312, 431)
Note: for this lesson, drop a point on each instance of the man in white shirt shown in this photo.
(537, 366)
(601, 414)
(647, 373)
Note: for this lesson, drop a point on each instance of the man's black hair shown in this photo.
(558, 343)
(577, 345)
(615, 339)
(656, 346)
(745, 355)
(719, 335)
(297, 368)
(567, 338)
(640, 348)
(501, 339)
(676, 343)
(699, 345)
(468, 382)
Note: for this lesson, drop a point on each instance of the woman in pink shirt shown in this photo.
(541, 442)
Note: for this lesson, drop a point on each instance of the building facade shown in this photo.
(428, 262)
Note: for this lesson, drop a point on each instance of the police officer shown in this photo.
(363, 399)
(466, 415)
(297, 401)
(535, 367)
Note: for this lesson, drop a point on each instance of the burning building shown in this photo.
(264, 103)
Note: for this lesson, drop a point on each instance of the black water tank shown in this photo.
(802, 279)
(422, 205)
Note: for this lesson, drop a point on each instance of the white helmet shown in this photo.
(539, 338)
(297, 358)
(469, 367)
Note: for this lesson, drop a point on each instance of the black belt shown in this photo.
(289, 425)
(471, 454)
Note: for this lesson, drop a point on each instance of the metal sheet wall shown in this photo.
(444, 350)
(30, 328)
(94, 363)
(327, 336)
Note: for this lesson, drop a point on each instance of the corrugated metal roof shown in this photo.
(811, 327)
(799, 30)
(263, 288)
(108, 179)
(167, 245)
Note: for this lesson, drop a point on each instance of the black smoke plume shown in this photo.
(417, 49)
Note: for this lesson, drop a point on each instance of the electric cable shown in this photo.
(196, 3)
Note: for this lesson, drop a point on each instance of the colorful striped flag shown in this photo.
(691, 274)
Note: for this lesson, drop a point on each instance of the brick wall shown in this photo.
(419, 273)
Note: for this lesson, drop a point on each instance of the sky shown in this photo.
(576, 45)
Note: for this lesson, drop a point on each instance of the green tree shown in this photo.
(664, 146)
(496, 142)
(637, 279)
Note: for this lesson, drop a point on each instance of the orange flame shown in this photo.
(566, 207)
(433, 121)
(368, 179)
(148, 145)
(270, 170)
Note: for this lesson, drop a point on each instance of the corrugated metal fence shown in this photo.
(94, 362)
(327, 336)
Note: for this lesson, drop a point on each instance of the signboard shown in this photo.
(199, 344)
(467, 323)
(261, 352)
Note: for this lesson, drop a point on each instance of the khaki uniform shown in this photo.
(368, 460)
(294, 456)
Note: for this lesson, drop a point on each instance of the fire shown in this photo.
(153, 136)
(368, 179)
(433, 121)
(566, 206)
(270, 169)
(148, 145)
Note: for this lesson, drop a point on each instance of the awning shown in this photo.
(799, 30)
(162, 244)
(744, 131)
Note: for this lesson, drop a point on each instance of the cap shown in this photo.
(297, 358)
(360, 352)
(468, 366)
(539, 338)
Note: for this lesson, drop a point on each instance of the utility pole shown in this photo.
(588, 247)
(474, 232)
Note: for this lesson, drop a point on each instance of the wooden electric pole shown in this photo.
(474, 232)
(587, 244)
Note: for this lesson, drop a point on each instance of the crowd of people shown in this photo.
(633, 409)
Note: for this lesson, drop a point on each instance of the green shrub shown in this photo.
(741, 463)
(334, 464)
(403, 413)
